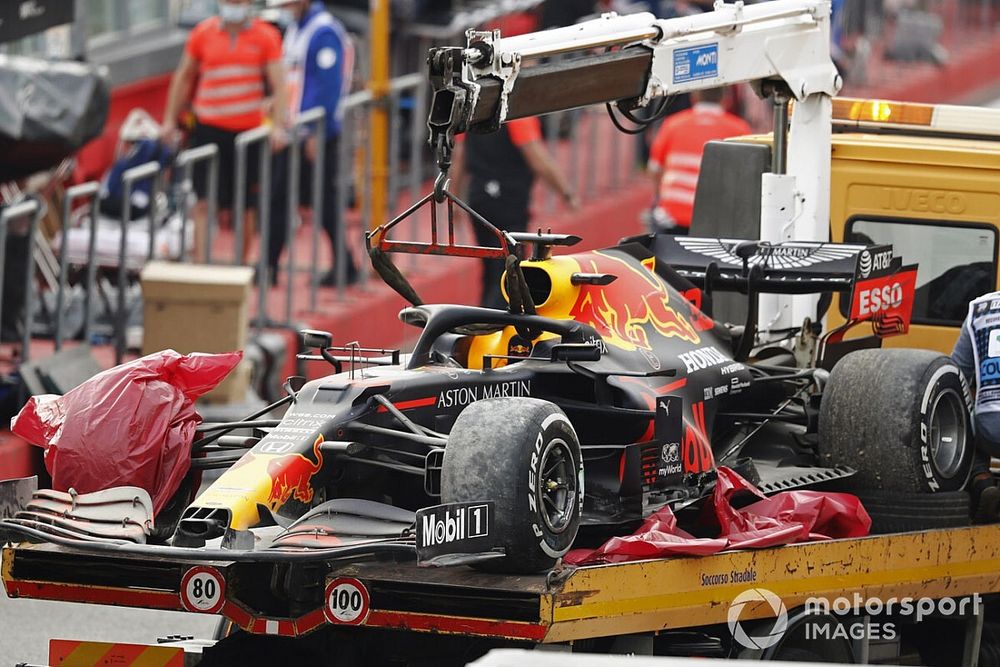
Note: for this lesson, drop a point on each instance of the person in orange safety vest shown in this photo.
(227, 60)
(675, 157)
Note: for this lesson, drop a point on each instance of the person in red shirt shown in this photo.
(675, 157)
(227, 60)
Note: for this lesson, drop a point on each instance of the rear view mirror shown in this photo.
(294, 384)
(313, 339)
(576, 352)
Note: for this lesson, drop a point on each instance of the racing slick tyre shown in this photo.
(900, 418)
(896, 512)
(522, 454)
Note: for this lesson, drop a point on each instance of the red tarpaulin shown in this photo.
(787, 517)
(131, 425)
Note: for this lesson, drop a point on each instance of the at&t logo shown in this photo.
(742, 609)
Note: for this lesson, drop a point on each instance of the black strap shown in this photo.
(519, 296)
(392, 276)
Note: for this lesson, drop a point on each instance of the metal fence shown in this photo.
(103, 258)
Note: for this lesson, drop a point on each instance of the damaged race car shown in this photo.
(604, 393)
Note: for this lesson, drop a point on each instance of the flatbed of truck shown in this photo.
(568, 604)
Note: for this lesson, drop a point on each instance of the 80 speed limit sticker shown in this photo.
(203, 590)
(347, 601)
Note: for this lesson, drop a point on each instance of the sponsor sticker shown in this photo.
(462, 396)
(994, 348)
(708, 357)
(669, 419)
(888, 298)
(989, 370)
(518, 346)
(454, 528)
(874, 262)
(695, 63)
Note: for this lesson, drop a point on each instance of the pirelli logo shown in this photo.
(73, 653)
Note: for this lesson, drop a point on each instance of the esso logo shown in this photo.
(203, 590)
(347, 601)
(878, 299)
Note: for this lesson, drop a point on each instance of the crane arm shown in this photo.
(494, 79)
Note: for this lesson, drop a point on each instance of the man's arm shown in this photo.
(544, 166)
(178, 93)
(275, 72)
(526, 135)
(963, 355)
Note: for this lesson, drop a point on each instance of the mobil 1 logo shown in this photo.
(454, 528)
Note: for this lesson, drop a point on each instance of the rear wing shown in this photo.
(792, 267)
(880, 287)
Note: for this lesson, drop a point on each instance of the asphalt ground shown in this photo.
(26, 626)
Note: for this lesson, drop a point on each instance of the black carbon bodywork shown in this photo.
(656, 389)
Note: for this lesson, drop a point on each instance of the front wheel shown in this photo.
(522, 454)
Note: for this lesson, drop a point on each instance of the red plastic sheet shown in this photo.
(131, 425)
(787, 517)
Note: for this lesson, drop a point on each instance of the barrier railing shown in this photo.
(583, 142)
(185, 163)
(89, 189)
(258, 135)
(32, 210)
(142, 172)
(317, 117)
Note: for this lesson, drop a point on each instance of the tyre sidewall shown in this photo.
(555, 427)
(940, 378)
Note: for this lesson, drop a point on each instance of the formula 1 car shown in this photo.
(605, 392)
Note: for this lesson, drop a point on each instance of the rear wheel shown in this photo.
(900, 418)
(522, 454)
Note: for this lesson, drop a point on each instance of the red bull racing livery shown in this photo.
(605, 392)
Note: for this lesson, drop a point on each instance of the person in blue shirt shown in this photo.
(319, 59)
(977, 354)
(138, 143)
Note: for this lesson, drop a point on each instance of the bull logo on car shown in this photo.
(625, 311)
(291, 476)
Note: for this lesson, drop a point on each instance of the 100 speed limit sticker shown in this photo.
(203, 590)
(347, 601)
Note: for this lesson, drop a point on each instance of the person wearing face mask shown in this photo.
(319, 59)
(227, 60)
